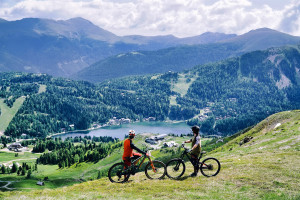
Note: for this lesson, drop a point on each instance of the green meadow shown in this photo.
(8, 113)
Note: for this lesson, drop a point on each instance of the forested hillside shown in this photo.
(223, 97)
(231, 95)
(245, 90)
(53, 104)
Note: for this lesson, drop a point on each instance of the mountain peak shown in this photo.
(74, 28)
(263, 38)
(261, 30)
(79, 21)
(2, 20)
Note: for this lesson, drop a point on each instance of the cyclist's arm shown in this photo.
(188, 141)
(136, 148)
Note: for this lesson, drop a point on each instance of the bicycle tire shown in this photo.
(160, 170)
(175, 168)
(210, 167)
(118, 174)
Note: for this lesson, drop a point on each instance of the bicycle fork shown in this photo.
(151, 163)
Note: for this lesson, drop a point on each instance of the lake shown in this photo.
(119, 131)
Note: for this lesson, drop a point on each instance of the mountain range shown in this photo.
(79, 49)
(183, 57)
(61, 48)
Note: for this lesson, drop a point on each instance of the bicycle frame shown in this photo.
(120, 172)
(133, 166)
(184, 153)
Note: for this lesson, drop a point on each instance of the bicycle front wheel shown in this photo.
(175, 168)
(210, 167)
(155, 170)
(118, 173)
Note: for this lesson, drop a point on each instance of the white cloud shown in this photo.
(153, 17)
(291, 19)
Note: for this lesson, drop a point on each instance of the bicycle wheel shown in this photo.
(118, 174)
(175, 168)
(210, 167)
(158, 172)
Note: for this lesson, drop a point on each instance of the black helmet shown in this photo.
(195, 129)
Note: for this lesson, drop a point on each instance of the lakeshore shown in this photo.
(119, 131)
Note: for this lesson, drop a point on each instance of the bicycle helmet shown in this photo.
(196, 129)
(131, 133)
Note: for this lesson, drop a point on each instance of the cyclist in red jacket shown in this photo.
(128, 149)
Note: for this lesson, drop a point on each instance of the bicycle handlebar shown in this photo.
(183, 145)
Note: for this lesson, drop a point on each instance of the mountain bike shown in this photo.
(208, 167)
(120, 173)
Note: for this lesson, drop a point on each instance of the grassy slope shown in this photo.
(8, 113)
(266, 167)
(42, 88)
(181, 87)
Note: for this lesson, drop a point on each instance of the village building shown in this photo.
(116, 121)
(15, 147)
(149, 119)
(151, 141)
(170, 144)
(154, 139)
(41, 183)
(160, 137)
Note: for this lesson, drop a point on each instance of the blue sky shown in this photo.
(181, 18)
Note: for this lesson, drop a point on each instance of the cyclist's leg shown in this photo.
(136, 156)
(195, 163)
(127, 163)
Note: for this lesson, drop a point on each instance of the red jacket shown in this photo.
(127, 149)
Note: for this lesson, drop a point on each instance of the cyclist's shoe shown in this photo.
(193, 174)
(132, 172)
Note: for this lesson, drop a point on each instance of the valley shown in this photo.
(70, 91)
(224, 97)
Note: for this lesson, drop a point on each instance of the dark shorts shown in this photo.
(194, 160)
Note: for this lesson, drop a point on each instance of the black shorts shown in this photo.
(194, 160)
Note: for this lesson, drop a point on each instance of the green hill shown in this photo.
(264, 166)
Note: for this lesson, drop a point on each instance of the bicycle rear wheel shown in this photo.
(210, 167)
(158, 171)
(118, 173)
(175, 168)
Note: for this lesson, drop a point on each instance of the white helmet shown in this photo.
(132, 133)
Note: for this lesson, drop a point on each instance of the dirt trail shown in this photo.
(9, 188)
(11, 161)
(6, 186)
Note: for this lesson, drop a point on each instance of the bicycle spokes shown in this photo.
(210, 167)
(175, 168)
(118, 173)
(155, 170)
